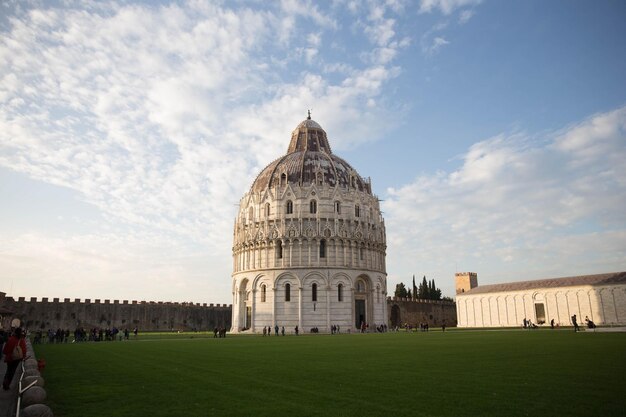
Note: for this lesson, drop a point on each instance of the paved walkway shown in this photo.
(607, 329)
(8, 399)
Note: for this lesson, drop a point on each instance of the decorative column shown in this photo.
(385, 320)
(328, 294)
(274, 305)
(283, 246)
(233, 326)
(300, 308)
(352, 326)
(372, 306)
(290, 252)
(253, 309)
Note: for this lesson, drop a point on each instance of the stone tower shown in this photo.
(465, 281)
(309, 243)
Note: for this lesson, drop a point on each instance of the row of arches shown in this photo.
(313, 300)
(599, 304)
(287, 292)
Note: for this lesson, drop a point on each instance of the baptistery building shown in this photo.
(309, 244)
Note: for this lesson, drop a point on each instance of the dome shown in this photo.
(309, 159)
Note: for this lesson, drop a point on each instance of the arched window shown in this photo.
(279, 249)
(251, 213)
(337, 207)
(267, 209)
(322, 248)
(320, 178)
(289, 207)
(357, 210)
(283, 179)
(340, 292)
(314, 292)
(287, 292)
(313, 206)
(263, 293)
(360, 286)
(361, 253)
(378, 293)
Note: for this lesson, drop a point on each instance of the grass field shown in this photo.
(471, 373)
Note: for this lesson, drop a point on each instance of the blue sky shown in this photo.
(495, 133)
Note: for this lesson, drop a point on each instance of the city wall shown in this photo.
(403, 311)
(144, 315)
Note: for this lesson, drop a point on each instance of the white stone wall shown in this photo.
(355, 249)
(301, 310)
(605, 305)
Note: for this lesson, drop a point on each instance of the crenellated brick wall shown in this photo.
(414, 312)
(145, 315)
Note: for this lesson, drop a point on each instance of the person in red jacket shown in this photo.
(12, 362)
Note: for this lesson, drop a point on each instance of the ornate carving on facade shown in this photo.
(305, 200)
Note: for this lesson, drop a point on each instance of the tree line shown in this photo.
(426, 290)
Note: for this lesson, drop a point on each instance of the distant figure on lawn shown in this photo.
(443, 326)
(276, 330)
(590, 324)
(297, 330)
(552, 324)
(215, 333)
(524, 323)
(575, 323)
(282, 330)
(135, 332)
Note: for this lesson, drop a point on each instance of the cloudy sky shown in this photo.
(495, 133)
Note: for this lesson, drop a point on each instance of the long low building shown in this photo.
(601, 298)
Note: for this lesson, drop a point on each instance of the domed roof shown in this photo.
(309, 159)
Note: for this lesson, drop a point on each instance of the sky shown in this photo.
(493, 131)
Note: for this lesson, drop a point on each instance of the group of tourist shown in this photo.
(528, 324)
(267, 330)
(219, 332)
(80, 334)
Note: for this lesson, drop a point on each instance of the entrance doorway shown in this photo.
(248, 317)
(359, 313)
(540, 311)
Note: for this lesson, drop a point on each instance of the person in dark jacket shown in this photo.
(10, 356)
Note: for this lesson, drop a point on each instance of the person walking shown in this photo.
(14, 351)
(575, 323)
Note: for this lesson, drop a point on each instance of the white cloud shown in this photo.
(436, 45)
(545, 205)
(161, 116)
(430, 42)
(465, 16)
(445, 6)
(306, 8)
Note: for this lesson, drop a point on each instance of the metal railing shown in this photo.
(20, 389)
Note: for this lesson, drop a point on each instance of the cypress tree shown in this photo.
(424, 289)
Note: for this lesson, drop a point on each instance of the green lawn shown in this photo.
(473, 373)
